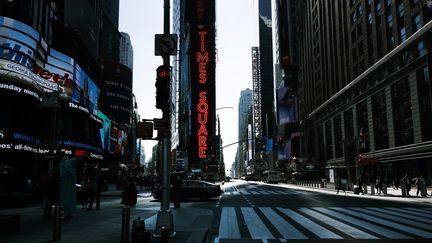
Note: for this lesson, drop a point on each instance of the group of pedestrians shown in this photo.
(91, 189)
(60, 188)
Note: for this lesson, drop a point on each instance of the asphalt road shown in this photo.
(257, 212)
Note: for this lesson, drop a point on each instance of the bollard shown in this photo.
(125, 224)
(165, 231)
(58, 213)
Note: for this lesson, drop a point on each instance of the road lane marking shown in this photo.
(285, 229)
(347, 229)
(386, 223)
(383, 213)
(402, 213)
(318, 230)
(361, 223)
(228, 227)
(255, 225)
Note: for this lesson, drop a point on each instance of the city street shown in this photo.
(248, 212)
(257, 212)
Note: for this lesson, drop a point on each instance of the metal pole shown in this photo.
(125, 224)
(57, 222)
(165, 217)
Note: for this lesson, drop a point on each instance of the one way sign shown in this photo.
(165, 44)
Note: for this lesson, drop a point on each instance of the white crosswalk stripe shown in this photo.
(285, 224)
(228, 227)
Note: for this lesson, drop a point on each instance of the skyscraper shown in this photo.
(126, 50)
(244, 118)
(264, 56)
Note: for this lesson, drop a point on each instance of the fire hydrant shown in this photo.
(138, 231)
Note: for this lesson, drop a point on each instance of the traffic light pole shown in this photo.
(165, 216)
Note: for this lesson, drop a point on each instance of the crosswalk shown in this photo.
(235, 191)
(362, 223)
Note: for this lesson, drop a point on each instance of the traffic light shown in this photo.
(360, 157)
(163, 80)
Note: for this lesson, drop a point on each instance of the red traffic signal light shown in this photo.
(163, 80)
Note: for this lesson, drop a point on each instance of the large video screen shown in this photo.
(286, 106)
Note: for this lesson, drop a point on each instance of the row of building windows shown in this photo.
(402, 118)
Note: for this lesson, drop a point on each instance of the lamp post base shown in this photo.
(164, 220)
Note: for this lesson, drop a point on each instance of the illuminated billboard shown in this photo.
(286, 106)
(21, 47)
(203, 84)
(105, 131)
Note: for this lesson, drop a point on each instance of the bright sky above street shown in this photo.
(236, 33)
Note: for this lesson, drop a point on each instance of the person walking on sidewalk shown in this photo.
(96, 189)
(177, 190)
(340, 186)
(407, 183)
(419, 184)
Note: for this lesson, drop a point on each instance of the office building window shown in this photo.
(348, 124)
(362, 123)
(421, 48)
(328, 140)
(425, 103)
(379, 116)
(321, 144)
(403, 34)
(390, 21)
(401, 10)
(378, 8)
(402, 115)
(370, 18)
(337, 123)
(417, 22)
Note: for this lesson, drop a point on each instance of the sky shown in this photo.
(236, 22)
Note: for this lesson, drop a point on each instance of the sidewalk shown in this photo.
(392, 194)
(105, 225)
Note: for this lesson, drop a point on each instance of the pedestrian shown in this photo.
(50, 187)
(395, 183)
(84, 191)
(339, 184)
(67, 185)
(406, 180)
(360, 185)
(419, 184)
(96, 189)
(177, 190)
(379, 185)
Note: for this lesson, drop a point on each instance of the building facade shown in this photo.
(126, 50)
(51, 74)
(365, 91)
(244, 118)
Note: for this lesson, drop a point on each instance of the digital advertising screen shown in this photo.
(286, 106)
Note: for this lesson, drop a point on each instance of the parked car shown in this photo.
(194, 189)
(251, 178)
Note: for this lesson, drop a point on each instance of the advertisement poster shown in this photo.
(286, 106)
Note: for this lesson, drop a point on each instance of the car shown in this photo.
(251, 178)
(203, 190)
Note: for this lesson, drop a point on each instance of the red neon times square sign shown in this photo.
(202, 58)
(203, 89)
